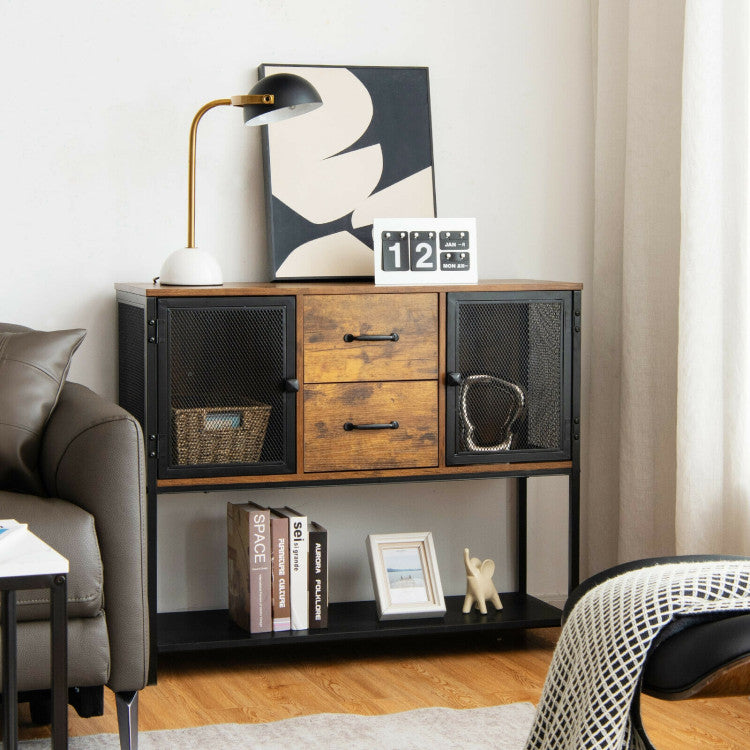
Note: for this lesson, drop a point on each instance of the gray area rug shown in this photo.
(499, 727)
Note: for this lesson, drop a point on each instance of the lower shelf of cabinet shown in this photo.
(349, 621)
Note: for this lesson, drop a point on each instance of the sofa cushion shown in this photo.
(69, 530)
(33, 366)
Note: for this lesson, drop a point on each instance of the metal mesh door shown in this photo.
(225, 367)
(507, 358)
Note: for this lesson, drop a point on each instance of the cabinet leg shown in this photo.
(152, 577)
(521, 562)
(574, 500)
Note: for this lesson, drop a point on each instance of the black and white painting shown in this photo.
(365, 154)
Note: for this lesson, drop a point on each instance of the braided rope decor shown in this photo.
(597, 664)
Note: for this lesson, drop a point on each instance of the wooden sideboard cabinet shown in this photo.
(343, 383)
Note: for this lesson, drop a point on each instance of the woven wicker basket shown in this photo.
(224, 435)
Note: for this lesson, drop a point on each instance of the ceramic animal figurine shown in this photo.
(479, 585)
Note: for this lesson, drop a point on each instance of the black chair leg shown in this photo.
(40, 708)
(127, 719)
(87, 701)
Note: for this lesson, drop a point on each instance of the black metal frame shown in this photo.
(574, 489)
(57, 583)
(454, 457)
(151, 437)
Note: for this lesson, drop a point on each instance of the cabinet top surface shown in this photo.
(235, 288)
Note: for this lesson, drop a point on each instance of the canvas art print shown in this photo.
(365, 154)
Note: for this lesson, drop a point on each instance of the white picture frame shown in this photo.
(405, 576)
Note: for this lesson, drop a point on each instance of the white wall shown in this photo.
(97, 101)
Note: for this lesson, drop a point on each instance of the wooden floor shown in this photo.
(234, 686)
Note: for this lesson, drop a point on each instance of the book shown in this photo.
(10, 528)
(249, 566)
(260, 569)
(280, 605)
(318, 575)
(238, 565)
(297, 567)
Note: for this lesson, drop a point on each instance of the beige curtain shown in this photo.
(669, 427)
(629, 486)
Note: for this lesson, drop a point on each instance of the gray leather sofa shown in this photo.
(91, 509)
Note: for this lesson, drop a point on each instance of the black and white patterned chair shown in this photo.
(694, 656)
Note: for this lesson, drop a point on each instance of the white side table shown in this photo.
(26, 562)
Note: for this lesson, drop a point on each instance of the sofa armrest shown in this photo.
(92, 455)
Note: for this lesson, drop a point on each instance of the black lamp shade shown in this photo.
(292, 94)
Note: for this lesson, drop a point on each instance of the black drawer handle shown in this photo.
(349, 426)
(349, 337)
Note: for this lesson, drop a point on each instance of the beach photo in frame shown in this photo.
(365, 153)
(405, 576)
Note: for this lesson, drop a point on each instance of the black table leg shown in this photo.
(59, 662)
(10, 688)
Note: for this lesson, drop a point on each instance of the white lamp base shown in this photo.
(190, 266)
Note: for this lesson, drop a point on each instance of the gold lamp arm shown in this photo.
(237, 101)
(191, 165)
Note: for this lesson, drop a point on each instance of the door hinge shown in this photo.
(152, 445)
(152, 331)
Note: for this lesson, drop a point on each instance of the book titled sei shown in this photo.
(298, 569)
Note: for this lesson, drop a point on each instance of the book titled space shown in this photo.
(260, 569)
(249, 569)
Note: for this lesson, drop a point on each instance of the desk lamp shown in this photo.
(274, 98)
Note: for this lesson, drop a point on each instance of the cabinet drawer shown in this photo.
(331, 359)
(331, 447)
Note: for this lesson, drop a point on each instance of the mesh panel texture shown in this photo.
(228, 358)
(518, 347)
(132, 361)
